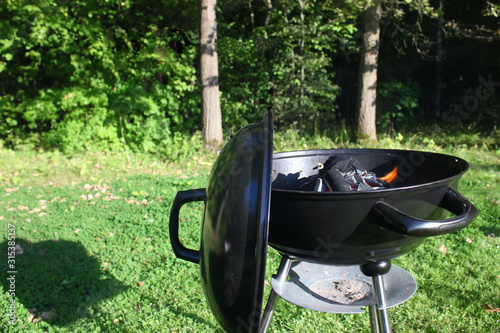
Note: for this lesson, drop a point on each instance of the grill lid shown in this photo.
(235, 228)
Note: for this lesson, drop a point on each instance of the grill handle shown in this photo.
(182, 198)
(395, 220)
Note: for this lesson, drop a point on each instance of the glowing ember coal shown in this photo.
(391, 175)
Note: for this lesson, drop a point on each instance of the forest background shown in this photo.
(80, 75)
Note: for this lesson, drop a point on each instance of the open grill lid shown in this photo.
(235, 228)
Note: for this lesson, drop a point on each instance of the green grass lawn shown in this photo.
(96, 254)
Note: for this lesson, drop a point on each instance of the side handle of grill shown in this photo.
(393, 219)
(182, 198)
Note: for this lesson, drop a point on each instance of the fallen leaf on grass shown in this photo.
(42, 214)
(443, 249)
(18, 249)
(33, 318)
(489, 308)
(47, 315)
(468, 240)
(110, 196)
(96, 187)
(141, 283)
(77, 231)
(22, 207)
(35, 210)
(13, 189)
(1, 218)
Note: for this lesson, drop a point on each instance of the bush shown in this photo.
(78, 75)
(396, 102)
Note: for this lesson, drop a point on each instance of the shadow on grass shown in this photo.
(197, 319)
(58, 276)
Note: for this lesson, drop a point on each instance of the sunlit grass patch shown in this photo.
(97, 255)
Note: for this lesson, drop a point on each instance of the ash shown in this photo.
(341, 291)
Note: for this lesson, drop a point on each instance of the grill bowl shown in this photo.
(351, 228)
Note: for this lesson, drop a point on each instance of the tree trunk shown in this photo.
(211, 113)
(252, 14)
(367, 76)
(269, 5)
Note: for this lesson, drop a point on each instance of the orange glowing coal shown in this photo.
(391, 175)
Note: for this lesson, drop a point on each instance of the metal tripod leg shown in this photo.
(379, 317)
(269, 311)
(372, 310)
(285, 265)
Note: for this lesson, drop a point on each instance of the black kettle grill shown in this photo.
(253, 198)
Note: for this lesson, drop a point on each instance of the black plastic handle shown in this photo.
(182, 198)
(395, 220)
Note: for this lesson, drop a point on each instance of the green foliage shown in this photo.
(89, 74)
(492, 9)
(82, 75)
(245, 94)
(279, 59)
(396, 103)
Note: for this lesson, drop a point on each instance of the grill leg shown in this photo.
(269, 311)
(379, 317)
(381, 313)
(285, 265)
(372, 310)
